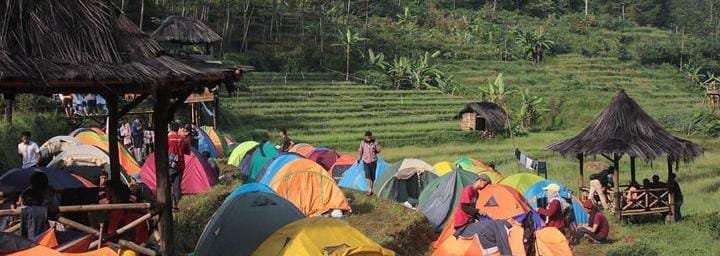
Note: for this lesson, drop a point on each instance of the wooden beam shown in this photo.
(161, 118)
(136, 247)
(607, 157)
(632, 169)
(216, 111)
(66, 246)
(616, 180)
(78, 226)
(669, 166)
(133, 104)
(581, 158)
(179, 102)
(9, 106)
(86, 208)
(112, 131)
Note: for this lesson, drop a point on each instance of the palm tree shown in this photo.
(534, 44)
(348, 39)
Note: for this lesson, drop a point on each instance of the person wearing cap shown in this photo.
(368, 150)
(597, 229)
(466, 213)
(554, 212)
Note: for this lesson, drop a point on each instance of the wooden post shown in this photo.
(616, 180)
(161, 117)
(216, 110)
(9, 106)
(669, 166)
(581, 158)
(112, 131)
(193, 117)
(632, 169)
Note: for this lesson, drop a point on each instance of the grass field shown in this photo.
(318, 109)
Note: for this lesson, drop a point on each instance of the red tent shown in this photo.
(324, 156)
(198, 176)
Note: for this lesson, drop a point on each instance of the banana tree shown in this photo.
(534, 43)
(348, 40)
(496, 92)
(531, 108)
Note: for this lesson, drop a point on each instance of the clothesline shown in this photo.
(530, 163)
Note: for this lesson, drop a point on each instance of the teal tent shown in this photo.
(440, 198)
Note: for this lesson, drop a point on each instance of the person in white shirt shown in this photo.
(29, 151)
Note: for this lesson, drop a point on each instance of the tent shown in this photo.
(324, 156)
(502, 202)
(256, 158)
(302, 148)
(521, 181)
(217, 139)
(86, 161)
(15, 245)
(443, 167)
(272, 166)
(198, 176)
(471, 247)
(343, 163)
(127, 161)
(354, 177)
(205, 144)
(320, 236)
(308, 186)
(473, 165)
(495, 177)
(439, 199)
(239, 152)
(536, 191)
(244, 220)
(57, 144)
(405, 180)
(17, 180)
(551, 242)
(95, 130)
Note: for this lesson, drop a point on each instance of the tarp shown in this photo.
(308, 186)
(521, 181)
(198, 176)
(127, 161)
(536, 191)
(324, 156)
(439, 199)
(405, 180)
(319, 236)
(17, 180)
(343, 163)
(302, 148)
(244, 220)
(443, 167)
(354, 177)
(239, 152)
(473, 165)
(205, 144)
(272, 166)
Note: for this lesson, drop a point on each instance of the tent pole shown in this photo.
(616, 180)
(113, 150)
(161, 118)
(581, 157)
(632, 169)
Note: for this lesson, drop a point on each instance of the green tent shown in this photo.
(472, 165)
(239, 152)
(404, 181)
(521, 181)
(440, 198)
(260, 155)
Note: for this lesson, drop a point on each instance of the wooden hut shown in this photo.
(624, 128)
(712, 92)
(89, 46)
(185, 30)
(482, 116)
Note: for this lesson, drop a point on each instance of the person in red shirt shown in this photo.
(466, 213)
(553, 214)
(178, 146)
(119, 218)
(598, 228)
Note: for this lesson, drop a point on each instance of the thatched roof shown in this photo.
(50, 45)
(493, 114)
(185, 30)
(624, 128)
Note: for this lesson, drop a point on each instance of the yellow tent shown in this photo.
(443, 167)
(320, 236)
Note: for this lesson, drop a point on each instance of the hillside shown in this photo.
(317, 109)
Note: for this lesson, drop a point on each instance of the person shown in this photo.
(646, 184)
(553, 214)
(91, 103)
(285, 142)
(598, 184)
(194, 135)
(79, 104)
(178, 147)
(632, 194)
(126, 134)
(466, 213)
(43, 205)
(67, 103)
(149, 140)
(676, 192)
(101, 104)
(120, 217)
(656, 183)
(29, 151)
(368, 150)
(136, 130)
(212, 162)
(597, 229)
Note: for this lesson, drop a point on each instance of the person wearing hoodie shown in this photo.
(553, 214)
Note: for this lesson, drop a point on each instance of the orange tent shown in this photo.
(501, 202)
(550, 241)
(341, 165)
(100, 141)
(45, 251)
(309, 187)
(471, 247)
(303, 149)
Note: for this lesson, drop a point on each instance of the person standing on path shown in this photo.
(29, 151)
(368, 150)
(137, 133)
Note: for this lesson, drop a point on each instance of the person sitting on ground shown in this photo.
(598, 184)
(29, 151)
(368, 150)
(632, 192)
(285, 142)
(597, 229)
(676, 192)
(213, 163)
(656, 183)
(553, 214)
(466, 213)
(119, 193)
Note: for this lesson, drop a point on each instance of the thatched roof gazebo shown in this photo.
(89, 46)
(482, 116)
(625, 128)
(185, 30)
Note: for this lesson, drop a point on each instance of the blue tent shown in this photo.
(536, 191)
(206, 144)
(17, 180)
(275, 166)
(249, 187)
(354, 177)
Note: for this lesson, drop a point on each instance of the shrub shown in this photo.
(639, 248)
(657, 53)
